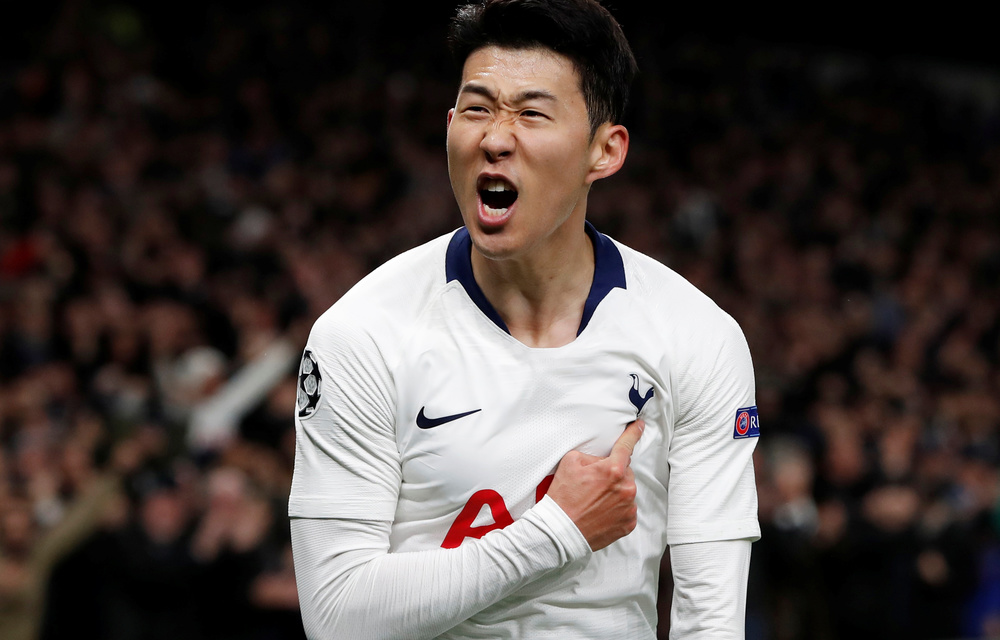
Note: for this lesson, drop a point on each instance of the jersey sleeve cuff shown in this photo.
(747, 529)
(550, 518)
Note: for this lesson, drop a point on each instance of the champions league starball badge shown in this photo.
(310, 381)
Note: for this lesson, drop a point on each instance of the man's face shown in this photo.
(520, 154)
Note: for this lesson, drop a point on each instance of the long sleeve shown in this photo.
(710, 588)
(712, 509)
(351, 587)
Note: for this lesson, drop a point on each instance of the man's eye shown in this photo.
(532, 114)
(476, 109)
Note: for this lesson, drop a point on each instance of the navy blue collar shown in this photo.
(609, 272)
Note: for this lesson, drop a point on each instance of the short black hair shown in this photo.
(582, 30)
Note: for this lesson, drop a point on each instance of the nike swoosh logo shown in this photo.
(429, 423)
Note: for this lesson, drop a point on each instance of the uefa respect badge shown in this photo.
(747, 423)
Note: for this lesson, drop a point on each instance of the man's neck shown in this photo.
(540, 296)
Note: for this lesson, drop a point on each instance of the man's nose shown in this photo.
(498, 140)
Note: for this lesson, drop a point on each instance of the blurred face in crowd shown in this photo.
(520, 152)
(16, 527)
(164, 516)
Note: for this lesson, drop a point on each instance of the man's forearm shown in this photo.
(710, 586)
(351, 587)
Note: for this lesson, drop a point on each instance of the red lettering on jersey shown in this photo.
(462, 527)
(543, 487)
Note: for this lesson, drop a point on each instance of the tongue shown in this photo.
(498, 199)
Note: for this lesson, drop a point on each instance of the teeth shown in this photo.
(494, 212)
(500, 192)
(496, 185)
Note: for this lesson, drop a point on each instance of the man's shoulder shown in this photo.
(394, 292)
(703, 341)
(671, 307)
(663, 288)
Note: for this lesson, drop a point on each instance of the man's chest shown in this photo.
(482, 423)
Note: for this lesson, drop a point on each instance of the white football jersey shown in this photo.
(416, 406)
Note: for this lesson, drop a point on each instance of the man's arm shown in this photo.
(712, 508)
(350, 586)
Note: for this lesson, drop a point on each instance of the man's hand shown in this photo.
(598, 494)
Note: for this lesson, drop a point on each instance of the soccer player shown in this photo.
(501, 431)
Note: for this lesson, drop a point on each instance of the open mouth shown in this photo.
(497, 195)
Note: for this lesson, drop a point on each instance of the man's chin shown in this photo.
(494, 243)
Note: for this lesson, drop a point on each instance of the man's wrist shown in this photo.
(551, 518)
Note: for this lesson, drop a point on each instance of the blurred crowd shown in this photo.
(184, 189)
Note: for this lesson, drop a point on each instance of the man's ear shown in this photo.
(451, 114)
(607, 151)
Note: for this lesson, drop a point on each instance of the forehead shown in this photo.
(507, 69)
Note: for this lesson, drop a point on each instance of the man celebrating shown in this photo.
(500, 432)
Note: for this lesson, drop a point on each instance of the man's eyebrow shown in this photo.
(534, 94)
(524, 96)
(479, 90)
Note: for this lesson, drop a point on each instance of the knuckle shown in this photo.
(571, 458)
(626, 528)
(616, 473)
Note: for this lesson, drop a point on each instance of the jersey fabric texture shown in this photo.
(417, 407)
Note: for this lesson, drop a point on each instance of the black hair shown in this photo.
(582, 30)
